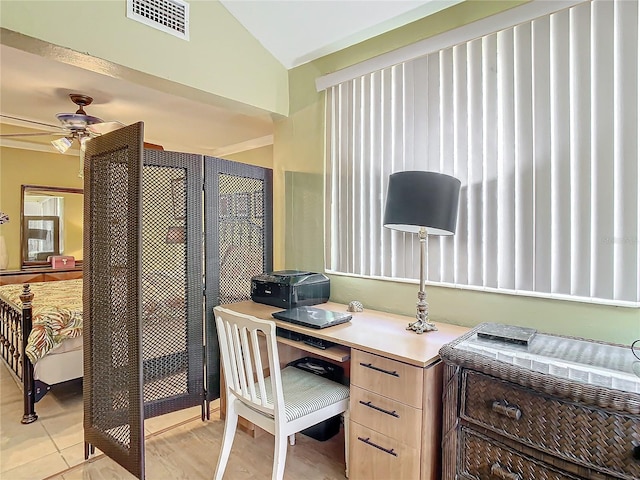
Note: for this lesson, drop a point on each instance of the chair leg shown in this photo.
(279, 457)
(230, 424)
(292, 439)
(345, 419)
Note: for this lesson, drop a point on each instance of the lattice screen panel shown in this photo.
(144, 280)
(172, 282)
(112, 387)
(110, 332)
(238, 244)
(164, 289)
(241, 235)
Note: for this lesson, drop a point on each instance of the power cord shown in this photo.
(635, 349)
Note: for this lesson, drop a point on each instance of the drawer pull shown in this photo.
(378, 369)
(371, 405)
(503, 474)
(503, 408)
(385, 450)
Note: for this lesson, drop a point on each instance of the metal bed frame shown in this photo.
(15, 327)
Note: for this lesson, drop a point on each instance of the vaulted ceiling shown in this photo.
(298, 31)
(295, 32)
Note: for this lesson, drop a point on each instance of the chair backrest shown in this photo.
(242, 360)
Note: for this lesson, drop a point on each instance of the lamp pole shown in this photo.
(422, 323)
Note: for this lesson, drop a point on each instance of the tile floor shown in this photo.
(54, 443)
(178, 446)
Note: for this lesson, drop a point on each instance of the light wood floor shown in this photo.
(178, 445)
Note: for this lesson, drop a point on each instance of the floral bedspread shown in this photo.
(57, 307)
(57, 313)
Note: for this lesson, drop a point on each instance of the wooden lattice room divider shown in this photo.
(162, 230)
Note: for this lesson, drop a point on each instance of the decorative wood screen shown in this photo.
(171, 281)
(143, 282)
(113, 414)
(238, 236)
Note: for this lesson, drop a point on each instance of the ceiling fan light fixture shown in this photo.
(62, 144)
(72, 125)
(80, 120)
(75, 121)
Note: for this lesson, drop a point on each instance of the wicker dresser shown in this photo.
(557, 408)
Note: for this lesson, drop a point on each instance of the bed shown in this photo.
(41, 341)
(50, 315)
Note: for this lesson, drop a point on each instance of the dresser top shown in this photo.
(584, 361)
(588, 371)
(37, 270)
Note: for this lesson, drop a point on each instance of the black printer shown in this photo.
(290, 288)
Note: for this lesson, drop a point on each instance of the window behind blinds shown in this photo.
(539, 122)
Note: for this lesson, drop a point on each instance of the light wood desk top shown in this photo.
(372, 331)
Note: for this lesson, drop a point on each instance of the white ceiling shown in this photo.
(298, 31)
(295, 31)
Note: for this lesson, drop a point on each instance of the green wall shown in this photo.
(221, 58)
(223, 61)
(299, 150)
(260, 157)
(25, 167)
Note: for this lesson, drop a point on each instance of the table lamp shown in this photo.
(425, 203)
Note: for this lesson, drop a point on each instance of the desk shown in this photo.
(396, 388)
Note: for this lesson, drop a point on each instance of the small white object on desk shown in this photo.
(355, 306)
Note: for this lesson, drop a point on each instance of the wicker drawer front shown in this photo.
(486, 459)
(590, 437)
(387, 377)
(376, 456)
(387, 416)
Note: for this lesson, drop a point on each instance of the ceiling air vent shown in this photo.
(171, 16)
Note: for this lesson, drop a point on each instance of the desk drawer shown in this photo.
(387, 377)
(484, 458)
(591, 437)
(386, 416)
(376, 456)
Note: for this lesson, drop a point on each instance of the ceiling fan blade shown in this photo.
(105, 127)
(31, 121)
(43, 134)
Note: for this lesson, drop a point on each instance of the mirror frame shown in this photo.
(38, 188)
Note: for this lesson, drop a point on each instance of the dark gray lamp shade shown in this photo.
(422, 199)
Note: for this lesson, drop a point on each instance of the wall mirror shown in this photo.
(51, 223)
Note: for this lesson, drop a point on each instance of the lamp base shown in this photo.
(421, 326)
(422, 323)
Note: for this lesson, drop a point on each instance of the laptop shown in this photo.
(312, 317)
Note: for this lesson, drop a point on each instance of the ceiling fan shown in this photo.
(73, 126)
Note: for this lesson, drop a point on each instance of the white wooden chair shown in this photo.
(284, 403)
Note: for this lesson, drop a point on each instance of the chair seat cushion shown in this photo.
(306, 392)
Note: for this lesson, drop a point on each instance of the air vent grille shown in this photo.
(170, 16)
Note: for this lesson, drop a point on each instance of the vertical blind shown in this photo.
(539, 122)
